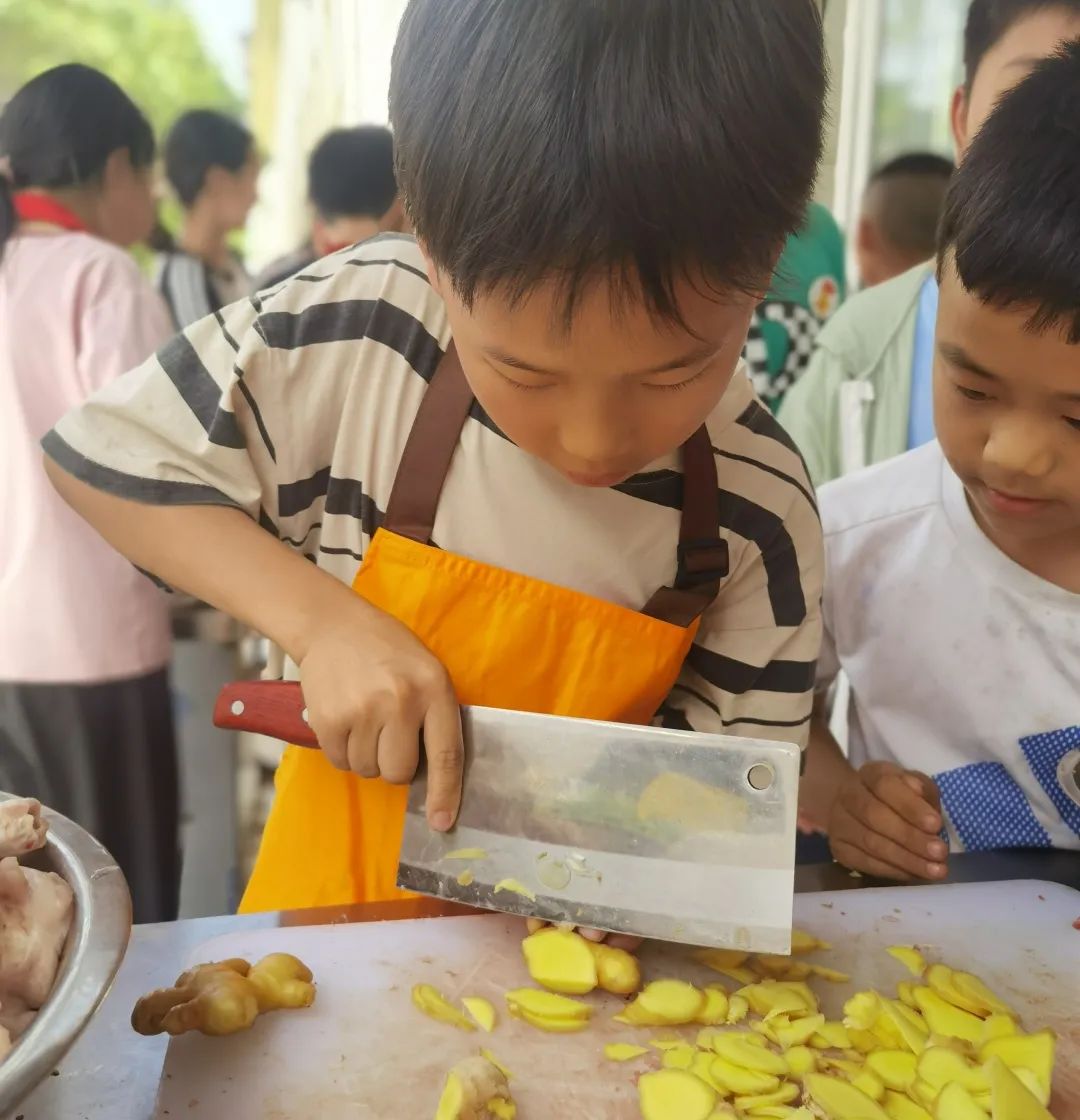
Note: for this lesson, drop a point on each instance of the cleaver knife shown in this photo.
(674, 835)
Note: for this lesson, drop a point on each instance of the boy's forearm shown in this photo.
(219, 555)
(826, 768)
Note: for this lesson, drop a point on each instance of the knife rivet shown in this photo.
(237, 708)
(760, 776)
(303, 716)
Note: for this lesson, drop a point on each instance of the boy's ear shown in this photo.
(958, 115)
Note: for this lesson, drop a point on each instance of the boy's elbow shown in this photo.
(74, 492)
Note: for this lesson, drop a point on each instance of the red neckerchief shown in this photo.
(33, 207)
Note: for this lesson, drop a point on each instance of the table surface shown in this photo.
(113, 1073)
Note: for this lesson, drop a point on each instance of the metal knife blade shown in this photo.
(673, 835)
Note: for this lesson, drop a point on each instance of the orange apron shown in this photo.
(508, 641)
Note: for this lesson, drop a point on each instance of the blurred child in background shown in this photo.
(212, 166)
(85, 717)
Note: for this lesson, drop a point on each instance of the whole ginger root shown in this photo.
(225, 996)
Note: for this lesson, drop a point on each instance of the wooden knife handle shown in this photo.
(274, 708)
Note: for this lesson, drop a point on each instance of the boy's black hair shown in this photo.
(59, 130)
(929, 164)
(645, 141)
(351, 173)
(988, 21)
(904, 199)
(1012, 217)
(199, 140)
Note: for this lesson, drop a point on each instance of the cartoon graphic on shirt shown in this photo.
(988, 808)
(797, 329)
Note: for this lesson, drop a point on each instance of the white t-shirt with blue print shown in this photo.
(962, 664)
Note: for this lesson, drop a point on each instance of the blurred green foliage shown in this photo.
(151, 48)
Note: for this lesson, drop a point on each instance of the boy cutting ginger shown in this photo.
(514, 462)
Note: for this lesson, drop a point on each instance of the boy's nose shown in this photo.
(1018, 446)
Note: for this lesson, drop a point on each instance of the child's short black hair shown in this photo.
(561, 139)
(1012, 215)
(199, 140)
(351, 173)
(905, 197)
(988, 21)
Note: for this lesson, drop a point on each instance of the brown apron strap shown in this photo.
(425, 462)
(432, 442)
(703, 553)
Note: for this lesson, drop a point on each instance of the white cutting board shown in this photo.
(363, 1052)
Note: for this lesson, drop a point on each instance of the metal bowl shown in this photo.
(95, 947)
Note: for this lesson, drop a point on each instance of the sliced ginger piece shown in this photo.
(737, 1049)
(481, 1010)
(999, 1026)
(834, 976)
(940, 978)
(561, 961)
(738, 1009)
(548, 1011)
(799, 1032)
(840, 1100)
(870, 1084)
(512, 886)
(623, 1051)
(896, 1069)
(801, 1060)
(899, 1107)
(909, 957)
(1011, 1098)
(910, 1027)
(803, 942)
(942, 1017)
(666, 1003)
(679, 1057)
(972, 988)
(1034, 1052)
(436, 1006)
(674, 1094)
(466, 853)
(785, 1094)
(715, 1008)
(739, 1080)
(954, 1102)
(939, 1066)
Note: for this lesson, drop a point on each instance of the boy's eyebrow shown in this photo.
(959, 357)
(681, 362)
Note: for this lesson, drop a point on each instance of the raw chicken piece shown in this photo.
(35, 915)
(15, 1016)
(21, 828)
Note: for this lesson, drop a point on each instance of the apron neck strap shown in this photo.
(703, 553)
(425, 463)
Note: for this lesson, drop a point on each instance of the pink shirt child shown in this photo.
(75, 312)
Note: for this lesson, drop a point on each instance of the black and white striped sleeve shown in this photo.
(184, 428)
(751, 669)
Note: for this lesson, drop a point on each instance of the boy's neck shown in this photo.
(203, 236)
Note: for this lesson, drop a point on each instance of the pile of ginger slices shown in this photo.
(943, 1046)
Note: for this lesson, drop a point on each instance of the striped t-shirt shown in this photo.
(295, 405)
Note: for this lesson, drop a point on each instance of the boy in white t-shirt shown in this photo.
(952, 596)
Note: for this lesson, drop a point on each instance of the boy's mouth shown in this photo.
(1014, 505)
